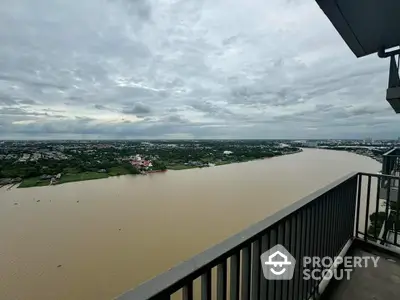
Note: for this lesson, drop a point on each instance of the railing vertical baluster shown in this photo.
(292, 247)
(358, 203)
(343, 204)
(255, 270)
(334, 224)
(396, 221)
(324, 225)
(315, 218)
(321, 237)
(338, 236)
(353, 206)
(302, 252)
(234, 276)
(378, 181)
(246, 273)
(309, 239)
(341, 211)
(263, 281)
(351, 198)
(367, 208)
(221, 281)
(280, 240)
(272, 283)
(328, 238)
(187, 293)
(387, 222)
(286, 243)
(297, 255)
(206, 285)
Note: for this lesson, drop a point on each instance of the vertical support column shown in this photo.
(394, 79)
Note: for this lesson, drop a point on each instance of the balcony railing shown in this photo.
(390, 166)
(391, 162)
(323, 224)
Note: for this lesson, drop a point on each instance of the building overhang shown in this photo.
(367, 26)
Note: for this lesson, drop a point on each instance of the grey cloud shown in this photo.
(176, 119)
(13, 111)
(31, 82)
(27, 101)
(100, 107)
(138, 109)
(7, 101)
(211, 109)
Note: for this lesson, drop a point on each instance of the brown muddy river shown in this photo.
(111, 234)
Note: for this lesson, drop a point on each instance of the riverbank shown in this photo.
(36, 181)
(117, 171)
(186, 167)
(222, 163)
(376, 155)
(73, 177)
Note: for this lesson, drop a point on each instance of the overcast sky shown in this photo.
(184, 69)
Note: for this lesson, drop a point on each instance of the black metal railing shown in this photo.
(389, 189)
(391, 164)
(318, 225)
(377, 212)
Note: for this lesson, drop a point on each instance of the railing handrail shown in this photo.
(172, 279)
(388, 153)
(379, 175)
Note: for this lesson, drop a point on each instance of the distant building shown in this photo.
(227, 152)
(140, 163)
(24, 157)
(312, 143)
(368, 140)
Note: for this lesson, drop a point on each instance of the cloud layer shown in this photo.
(184, 69)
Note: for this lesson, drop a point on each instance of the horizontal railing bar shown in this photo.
(173, 279)
(379, 175)
(388, 153)
(379, 239)
(359, 243)
(391, 155)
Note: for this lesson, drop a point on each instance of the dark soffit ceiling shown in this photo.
(365, 25)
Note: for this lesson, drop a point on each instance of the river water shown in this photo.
(97, 239)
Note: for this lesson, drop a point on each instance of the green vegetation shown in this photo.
(72, 175)
(33, 181)
(377, 220)
(117, 171)
(81, 177)
(159, 165)
(37, 161)
(180, 167)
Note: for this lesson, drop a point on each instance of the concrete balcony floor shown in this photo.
(381, 283)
